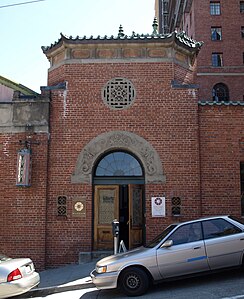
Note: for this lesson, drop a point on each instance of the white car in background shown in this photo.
(17, 276)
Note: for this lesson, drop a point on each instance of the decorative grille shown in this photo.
(62, 205)
(176, 206)
(118, 93)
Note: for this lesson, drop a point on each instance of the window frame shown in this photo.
(220, 92)
(215, 8)
(217, 59)
(241, 6)
(112, 161)
(216, 31)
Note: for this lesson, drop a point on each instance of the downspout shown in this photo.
(199, 158)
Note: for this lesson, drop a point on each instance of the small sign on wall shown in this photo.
(23, 176)
(158, 206)
(79, 207)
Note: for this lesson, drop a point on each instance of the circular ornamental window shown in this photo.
(118, 93)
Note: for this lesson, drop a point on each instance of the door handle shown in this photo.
(198, 247)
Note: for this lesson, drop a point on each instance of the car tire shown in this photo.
(134, 281)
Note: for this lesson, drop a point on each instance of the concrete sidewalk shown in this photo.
(68, 274)
(69, 277)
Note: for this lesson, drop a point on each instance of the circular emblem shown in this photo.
(79, 206)
(158, 201)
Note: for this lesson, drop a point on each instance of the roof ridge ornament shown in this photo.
(121, 31)
(155, 26)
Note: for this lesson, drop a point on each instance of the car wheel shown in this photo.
(134, 281)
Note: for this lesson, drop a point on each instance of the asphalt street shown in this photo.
(223, 285)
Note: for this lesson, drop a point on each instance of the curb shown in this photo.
(56, 289)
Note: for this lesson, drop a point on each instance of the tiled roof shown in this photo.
(214, 103)
(179, 37)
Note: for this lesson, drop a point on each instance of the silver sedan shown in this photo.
(17, 276)
(186, 248)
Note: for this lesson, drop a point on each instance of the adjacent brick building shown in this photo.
(220, 25)
(127, 138)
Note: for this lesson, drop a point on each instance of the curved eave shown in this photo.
(179, 38)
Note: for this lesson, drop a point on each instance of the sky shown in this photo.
(25, 28)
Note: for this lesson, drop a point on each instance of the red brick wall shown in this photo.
(23, 209)
(207, 181)
(165, 117)
(221, 132)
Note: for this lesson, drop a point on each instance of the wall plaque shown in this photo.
(79, 206)
(158, 206)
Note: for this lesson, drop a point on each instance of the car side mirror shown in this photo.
(167, 243)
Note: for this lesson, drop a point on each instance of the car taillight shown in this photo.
(14, 275)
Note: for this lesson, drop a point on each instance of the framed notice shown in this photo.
(158, 206)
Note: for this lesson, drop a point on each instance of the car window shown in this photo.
(218, 228)
(187, 233)
(160, 237)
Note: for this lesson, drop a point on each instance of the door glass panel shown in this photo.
(218, 228)
(135, 215)
(137, 207)
(106, 206)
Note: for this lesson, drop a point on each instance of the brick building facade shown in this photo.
(127, 138)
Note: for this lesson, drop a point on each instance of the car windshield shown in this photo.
(160, 237)
(3, 258)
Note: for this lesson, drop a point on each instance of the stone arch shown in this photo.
(118, 140)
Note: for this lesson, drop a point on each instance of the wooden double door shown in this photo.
(121, 202)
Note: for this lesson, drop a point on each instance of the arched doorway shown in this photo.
(118, 181)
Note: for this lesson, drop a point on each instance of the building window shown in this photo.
(242, 31)
(62, 206)
(215, 8)
(217, 59)
(220, 92)
(216, 33)
(118, 164)
(242, 6)
(242, 187)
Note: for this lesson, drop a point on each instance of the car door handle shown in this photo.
(241, 239)
(198, 247)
